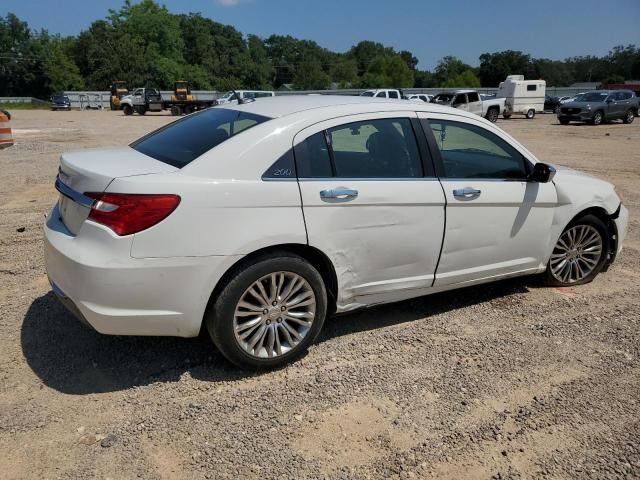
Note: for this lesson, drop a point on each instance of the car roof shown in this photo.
(281, 106)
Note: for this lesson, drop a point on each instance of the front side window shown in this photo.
(369, 149)
(381, 94)
(181, 142)
(473, 97)
(469, 151)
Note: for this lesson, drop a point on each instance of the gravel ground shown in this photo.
(510, 380)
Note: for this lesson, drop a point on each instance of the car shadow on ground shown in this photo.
(73, 359)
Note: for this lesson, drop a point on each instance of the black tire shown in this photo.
(219, 317)
(629, 116)
(127, 109)
(563, 121)
(598, 118)
(531, 113)
(492, 115)
(506, 116)
(599, 225)
(176, 110)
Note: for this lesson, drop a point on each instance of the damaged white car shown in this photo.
(257, 220)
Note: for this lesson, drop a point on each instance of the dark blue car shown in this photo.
(60, 102)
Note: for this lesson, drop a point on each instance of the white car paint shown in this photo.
(400, 238)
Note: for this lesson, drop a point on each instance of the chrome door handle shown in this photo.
(341, 193)
(466, 193)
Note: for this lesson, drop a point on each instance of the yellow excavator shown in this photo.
(181, 92)
(118, 90)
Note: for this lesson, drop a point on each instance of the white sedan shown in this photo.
(260, 219)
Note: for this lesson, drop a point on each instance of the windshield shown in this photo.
(227, 95)
(443, 98)
(181, 142)
(59, 98)
(368, 93)
(591, 97)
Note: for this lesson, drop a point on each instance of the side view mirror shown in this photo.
(542, 173)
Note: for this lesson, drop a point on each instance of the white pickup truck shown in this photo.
(470, 101)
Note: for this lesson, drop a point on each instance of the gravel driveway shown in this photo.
(509, 380)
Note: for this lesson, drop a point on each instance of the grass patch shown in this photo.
(24, 106)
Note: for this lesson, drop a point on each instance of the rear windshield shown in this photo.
(181, 142)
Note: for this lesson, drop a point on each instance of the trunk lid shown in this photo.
(93, 171)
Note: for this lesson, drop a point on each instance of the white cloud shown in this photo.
(228, 3)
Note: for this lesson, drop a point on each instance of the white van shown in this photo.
(230, 95)
(382, 93)
(522, 96)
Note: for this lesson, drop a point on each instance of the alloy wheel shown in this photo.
(577, 254)
(274, 314)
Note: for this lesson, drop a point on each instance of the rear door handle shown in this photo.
(341, 193)
(466, 193)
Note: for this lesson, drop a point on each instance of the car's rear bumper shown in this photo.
(97, 280)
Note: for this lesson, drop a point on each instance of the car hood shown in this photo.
(579, 188)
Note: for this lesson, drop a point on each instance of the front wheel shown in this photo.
(269, 313)
(629, 116)
(492, 115)
(531, 113)
(127, 109)
(597, 118)
(579, 253)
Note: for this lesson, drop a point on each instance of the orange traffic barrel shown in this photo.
(6, 139)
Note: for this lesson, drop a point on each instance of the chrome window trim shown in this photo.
(367, 179)
(73, 195)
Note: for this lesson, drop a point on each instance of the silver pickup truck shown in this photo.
(470, 101)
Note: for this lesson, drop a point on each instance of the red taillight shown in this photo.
(126, 213)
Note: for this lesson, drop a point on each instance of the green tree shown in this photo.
(494, 67)
(449, 67)
(310, 76)
(466, 79)
(344, 72)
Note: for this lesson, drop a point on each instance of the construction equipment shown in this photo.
(118, 90)
(181, 92)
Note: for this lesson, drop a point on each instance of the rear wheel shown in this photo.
(492, 115)
(188, 109)
(531, 113)
(269, 313)
(127, 109)
(176, 110)
(597, 118)
(629, 116)
(579, 253)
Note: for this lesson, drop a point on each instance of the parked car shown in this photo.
(551, 104)
(382, 93)
(600, 106)
(522, 96)
(423, 97)
(60, 102)
(470, 101)
(256, 221)
(232, 95)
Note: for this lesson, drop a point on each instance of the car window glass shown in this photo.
(469, 151)
(393, 94)
(312, 157)
(381, 94)
(375, 149)
(181, 142)
(460, 99)
(472, 97)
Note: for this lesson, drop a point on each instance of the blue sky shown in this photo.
(430, 29)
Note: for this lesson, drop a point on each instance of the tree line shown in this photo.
(144, 44)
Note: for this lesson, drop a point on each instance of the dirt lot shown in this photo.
(510, 380)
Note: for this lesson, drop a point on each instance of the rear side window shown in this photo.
(473, 97)
(181, 142)
(381, 94)
(393, 94)
(369, 149)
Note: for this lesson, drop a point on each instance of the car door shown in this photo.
(138, 96)
(474, 103)
(497, 222)
(460, 102)
(372, 204)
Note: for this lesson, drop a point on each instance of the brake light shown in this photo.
(126, 213)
